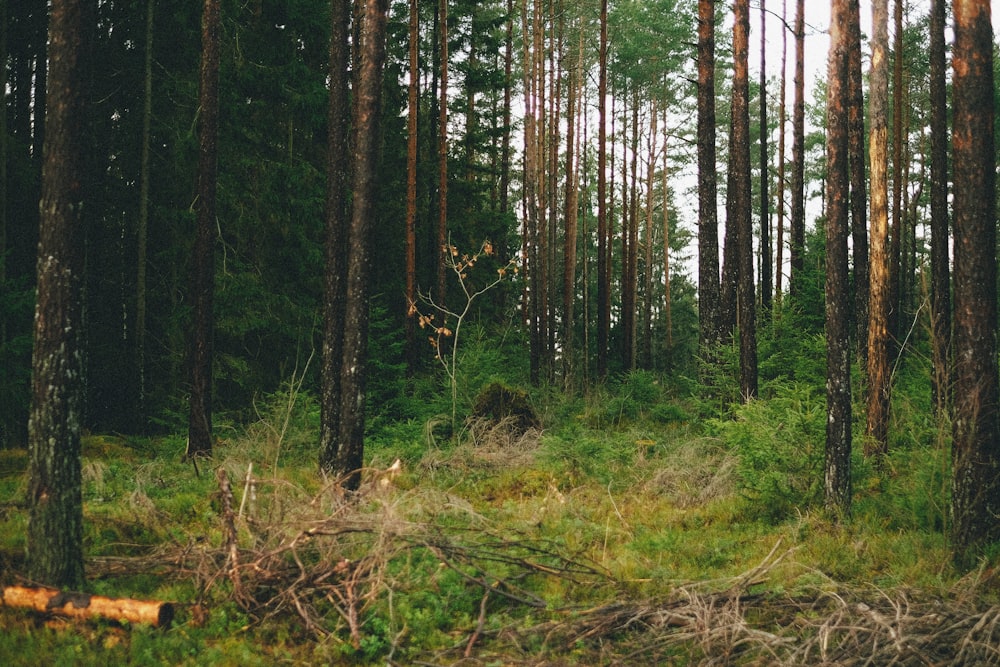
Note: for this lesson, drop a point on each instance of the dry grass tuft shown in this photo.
(696, 475)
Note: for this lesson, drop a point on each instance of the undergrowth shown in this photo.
(622, 527)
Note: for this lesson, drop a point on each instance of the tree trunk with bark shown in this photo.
(898, 171)
(411, 186)
(838, 355)
(55, 519)
(3, 173)
(975, 493)
(200, 355)
(766, 261)
(603, 268)
(570, 212)
(780, 240)
(335, 241)
(365, 141)
(940, 260)
(858, 176)
(142, 224)
(708, 221)
(797, 231)
(740, 196)
(879, 302)
(441, 290)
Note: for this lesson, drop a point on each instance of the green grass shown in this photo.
(645, 502)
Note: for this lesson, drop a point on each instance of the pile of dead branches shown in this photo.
(329, 558)
(742, 623)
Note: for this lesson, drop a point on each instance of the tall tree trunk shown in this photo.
(203, 253)
(739, 156)
(55, 522)
(646, 345)
(630, 240)
(3, 171)
(896, 232)
(571, 203)
(40, 79)
(879, 301)
(858, 171)
(441, 290)
(335, 241)
(766, 263)
(666, 238)
(365, 140)
(411, 186)
(797, 231)
(508, 78)
(708, 220)
(940, 269)
(556, 56)
(975, 493)
(585, 231)
(603, 269)
(142, 227)
(529, 236)
(545, 221)
(780, 241)
(838, 355)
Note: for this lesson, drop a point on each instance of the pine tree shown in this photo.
(55, 524)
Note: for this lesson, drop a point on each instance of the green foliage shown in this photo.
(779, 443)
(791, 350)
(626, 399)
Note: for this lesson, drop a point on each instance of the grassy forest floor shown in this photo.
(638, 526)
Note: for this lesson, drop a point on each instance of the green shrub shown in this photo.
(780, 446)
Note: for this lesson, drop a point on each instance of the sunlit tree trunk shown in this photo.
(203, 255)
(879, 304)
(975, 493)
(55, 520)
(838, 355)
(940, 263)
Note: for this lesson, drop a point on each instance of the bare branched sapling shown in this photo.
(452, 318)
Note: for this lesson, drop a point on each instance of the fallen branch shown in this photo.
(81, 605)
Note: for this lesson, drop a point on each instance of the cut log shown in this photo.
(82, 605)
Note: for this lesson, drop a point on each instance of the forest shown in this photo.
(500, 331)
